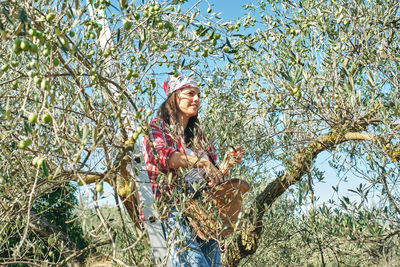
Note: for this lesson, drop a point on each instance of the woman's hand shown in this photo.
(235, 155)
(178, 160)
(213, 175)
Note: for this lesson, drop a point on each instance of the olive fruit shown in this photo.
(127, 25)
(46, 118)
(24, 45)
(24, 144)
(99, 187)
(45, 84)
(32, 118)
(50, 16)
(5, 67)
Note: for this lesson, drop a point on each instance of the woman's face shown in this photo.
(188, 101)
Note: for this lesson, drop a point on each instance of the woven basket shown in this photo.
(215, 212)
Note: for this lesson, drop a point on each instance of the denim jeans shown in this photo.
(185, 248)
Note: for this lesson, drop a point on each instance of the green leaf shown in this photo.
(232, 51)
(343, 204)
(57, 171)
(286, 76)
(252, 48)
(228, 43)
(140, 45)
(5, 13)
(78, 130)
(27, 127)
(45, 171)
(122, 4)
(22, 16)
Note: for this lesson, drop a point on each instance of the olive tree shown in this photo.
(287, 82)
(72, 110)
(313, 77)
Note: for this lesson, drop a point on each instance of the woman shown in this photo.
(177, 143)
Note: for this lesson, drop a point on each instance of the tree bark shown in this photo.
(246, 242)
(46, 229)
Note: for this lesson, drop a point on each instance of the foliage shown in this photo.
(288, 81)
(59, 120)
(126, 234)
(327, 235)
(57, 207)
(313, 76)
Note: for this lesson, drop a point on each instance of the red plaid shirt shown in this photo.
(164, 145)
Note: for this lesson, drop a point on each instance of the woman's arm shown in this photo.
(231, 158)
(179, 160)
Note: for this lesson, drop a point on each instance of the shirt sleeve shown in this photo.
(164, 149)
(213, 153)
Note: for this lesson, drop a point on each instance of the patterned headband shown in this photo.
(172, 84)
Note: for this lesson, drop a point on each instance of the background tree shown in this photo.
(308, 77)
(315, 76)
(60, 120)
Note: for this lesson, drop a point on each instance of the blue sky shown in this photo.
(230, 10)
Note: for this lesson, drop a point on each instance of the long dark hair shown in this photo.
(193, 135)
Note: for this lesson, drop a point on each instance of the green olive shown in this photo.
(24, 144)
(5, 67)
(34, 48)
(21, 145)
(32, 32)
(99, 187)
(56, 61)
(35, 161)
(50, 16)
(46, 52)
(14, 63)
(24, 45)
(32, 118)
(17, 46)
(45, 84)
(127, 25)
(46, 118)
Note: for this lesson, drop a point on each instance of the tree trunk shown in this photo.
(246, 243)
(46, 229)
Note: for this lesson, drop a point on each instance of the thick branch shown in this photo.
(46, 229)
(123, 185)
(247, 242)
(78, 253)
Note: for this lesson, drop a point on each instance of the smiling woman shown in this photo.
(177, 148)
(188, 102)
(182, 145)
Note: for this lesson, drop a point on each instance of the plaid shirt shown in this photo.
(164, 146)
